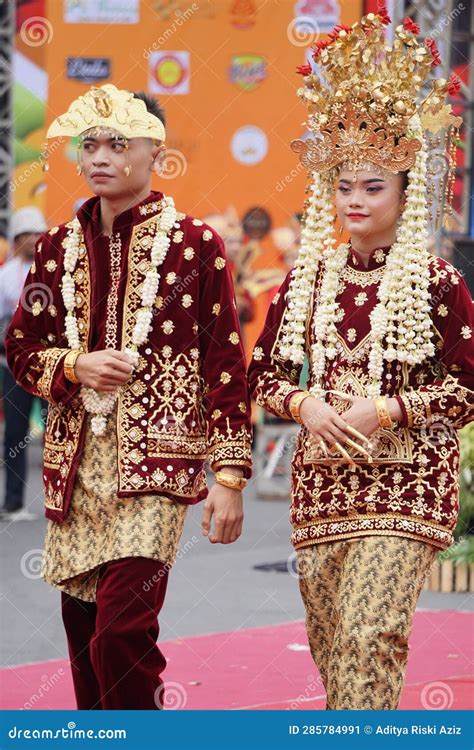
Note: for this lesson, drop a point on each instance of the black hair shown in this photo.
(405, 181)
(152, 104)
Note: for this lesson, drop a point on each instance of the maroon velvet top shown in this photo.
(412, 487)
(188, 399)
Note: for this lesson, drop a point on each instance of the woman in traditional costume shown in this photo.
(387, 329)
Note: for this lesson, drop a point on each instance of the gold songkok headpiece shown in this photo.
(365, 94)
(108, 109)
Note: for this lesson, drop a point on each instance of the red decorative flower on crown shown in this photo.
(304, 70)
(383, 15)
(454, 84)
(410, 25)
(431, 44)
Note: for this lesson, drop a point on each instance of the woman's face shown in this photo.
(369, 206)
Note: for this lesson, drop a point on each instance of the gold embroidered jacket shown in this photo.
(412, 487)
(186, 402)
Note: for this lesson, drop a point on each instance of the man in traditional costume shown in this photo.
(387, 330)
(134, 341)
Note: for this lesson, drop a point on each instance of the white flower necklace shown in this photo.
(100, 405)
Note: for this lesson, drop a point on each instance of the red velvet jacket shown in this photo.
(412, 487)
(188, 399)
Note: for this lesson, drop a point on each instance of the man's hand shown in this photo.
(227, 508)
(105, 370)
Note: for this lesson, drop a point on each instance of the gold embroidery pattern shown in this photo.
(327, 530)
(49, 360)
(176, 386)
(64, 423)
(155, 391)
(274, 401)
(150, 208)
(232, 448)
(362, 278)
(115, 250)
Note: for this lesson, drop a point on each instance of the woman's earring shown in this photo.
(79, 169)
(340, 230)
(128, 170)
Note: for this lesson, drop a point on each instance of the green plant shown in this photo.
(462, 551)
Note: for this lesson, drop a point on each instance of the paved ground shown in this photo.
(211, 589)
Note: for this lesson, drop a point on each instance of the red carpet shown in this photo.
(271, 668)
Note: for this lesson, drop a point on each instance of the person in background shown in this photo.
(27, 225)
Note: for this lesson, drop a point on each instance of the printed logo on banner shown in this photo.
(325, 13)
(88, 69)
(243, 14)
(105, 11)
(169, 72)
(247, 71)
(249, 145)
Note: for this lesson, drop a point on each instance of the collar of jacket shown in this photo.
(89, 212)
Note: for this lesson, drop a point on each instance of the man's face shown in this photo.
(105, 158)
(25, 244)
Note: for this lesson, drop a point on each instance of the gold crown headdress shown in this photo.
(361, 105)
(364, 115)
(108, 109)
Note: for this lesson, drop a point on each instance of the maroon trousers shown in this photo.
(115, 661)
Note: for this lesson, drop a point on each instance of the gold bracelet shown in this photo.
(230, 480)
(69, 364)
(295, 405)
(383, 413)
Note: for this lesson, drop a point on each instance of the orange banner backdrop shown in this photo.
(225, 72)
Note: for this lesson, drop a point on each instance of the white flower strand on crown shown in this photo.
(96, 403)
(402, 314)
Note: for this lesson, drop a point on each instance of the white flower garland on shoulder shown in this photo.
(102, 404)
(402, 317)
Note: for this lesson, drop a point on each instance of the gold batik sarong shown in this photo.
(360, 596)
(101, 527)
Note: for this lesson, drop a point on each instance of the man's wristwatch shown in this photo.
(230, 480)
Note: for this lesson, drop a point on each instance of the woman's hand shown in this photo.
(362, 414)
(331, 430)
